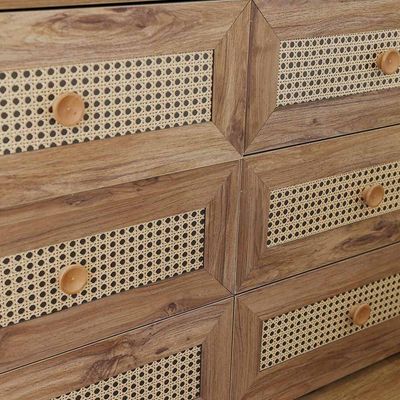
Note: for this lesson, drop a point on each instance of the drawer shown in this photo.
(106, 261)
(310, 205)
(70, 76)
(297, 335)
(185, 358)
(317, 75)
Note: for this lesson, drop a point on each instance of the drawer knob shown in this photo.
(360, 314)
(68, 109)
(373, 195)
(73, 279)
(389, 61)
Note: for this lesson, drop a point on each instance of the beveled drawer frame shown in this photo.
(209, 327)
(269, 127)
(314, 369)
(214, 188)
(72, 35)
(259, 264)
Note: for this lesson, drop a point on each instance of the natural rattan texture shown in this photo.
(117, 260)
(313, 207)
(320, 68)
(121, 97)
(176, 377)
(300, 331)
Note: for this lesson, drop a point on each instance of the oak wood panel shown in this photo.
(258, 264)
(35, 176)
(27, 227)
(24, 4)
(28, 342)
(318, 367)
(215, 188)
(292, 19)
(309, 122)
(263, 66)
(209, 326)
(90, 34)
(230, 80)
(379, 381)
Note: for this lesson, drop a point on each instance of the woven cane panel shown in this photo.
(313, 207)
(121, 98)
(300, 331)
(176, 377)
(334, 66)
(117, 260)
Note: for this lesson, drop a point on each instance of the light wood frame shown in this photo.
(42, 38)
(273, 21)
(321, 366)
(209, 327)
(259, 264)
(28, 227)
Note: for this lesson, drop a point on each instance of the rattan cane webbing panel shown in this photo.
(300, 331)
(117, 260)
(320, 68)
(313, 207)
(121, 97)
(176, 377)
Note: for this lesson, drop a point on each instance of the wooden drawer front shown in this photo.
(284, 333)
(180, 69)
(323, 79)
(315, 69)
(186, 357)
(146, 250)
(294, 333)
(121, 97)
(175, 376)
(117, 260)
(309, 205)
(321, 205)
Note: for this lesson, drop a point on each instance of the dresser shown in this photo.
(198, 200)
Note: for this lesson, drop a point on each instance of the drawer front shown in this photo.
(186, 357)
(76, 75)
(317, 204)
(315, 78)
(123, 97)
(111, 262)
(312, 337)
(168, 239)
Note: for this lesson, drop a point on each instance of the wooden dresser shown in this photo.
(198, 200)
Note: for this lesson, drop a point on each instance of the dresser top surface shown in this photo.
(34, 4)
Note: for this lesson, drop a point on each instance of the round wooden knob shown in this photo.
(373, 195)
(68, 109)
(360, 314)
(73, 279)
(389, 61)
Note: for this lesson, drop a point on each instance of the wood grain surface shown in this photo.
(270, 127)
(215, 188)
(321, 366)
(230, 80)
(25, 4)
(40, 38)
(379, 381)
(263, 173)
(209, 327)
(51, 173)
